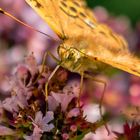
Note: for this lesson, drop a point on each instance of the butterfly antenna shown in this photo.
(24, 24)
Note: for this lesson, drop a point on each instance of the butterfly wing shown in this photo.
(127, 63)
(48, 11)
(121, 59)
(64, 15)
(71, 18)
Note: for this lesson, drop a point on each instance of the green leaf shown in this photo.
(80, 137)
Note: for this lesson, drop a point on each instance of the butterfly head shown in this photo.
(67, 52)
(69, 55)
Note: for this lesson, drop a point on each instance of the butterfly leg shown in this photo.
(81, 87)
(43, 63)
(43, 68)
(47, 83)
(102, 97)
(104, 84)
(54, 71)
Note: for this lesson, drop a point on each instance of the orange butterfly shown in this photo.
(87, 44)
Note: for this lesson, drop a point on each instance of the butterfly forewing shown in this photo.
(69, 17)
(45, 9)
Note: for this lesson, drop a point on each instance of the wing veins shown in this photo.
(60, 24)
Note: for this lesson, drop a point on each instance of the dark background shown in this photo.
(130, 8)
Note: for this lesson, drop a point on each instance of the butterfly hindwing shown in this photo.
(121, 59)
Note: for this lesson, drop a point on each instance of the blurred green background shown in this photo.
(130, 8)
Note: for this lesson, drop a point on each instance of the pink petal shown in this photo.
(63, 99)
(52, 103)
(73, 113)
(38, 117)
(6, 131)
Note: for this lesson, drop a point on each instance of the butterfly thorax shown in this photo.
(73, 57)
(70, 58)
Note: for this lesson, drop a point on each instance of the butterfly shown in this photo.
(86, 43)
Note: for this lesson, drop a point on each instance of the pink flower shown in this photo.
(44, 122)
(131, 132)
(63, 99)
(14, 103)
(73, 113)
(22, 74)
(73, 87)
(91, 112)
(34, 136)
(65, 136)
(100, 134)
(1, 112)
(32, 64)
(52, 103)
(41, 124)
(135, 94)
(21, 85)
(73, 128)
(6, 131)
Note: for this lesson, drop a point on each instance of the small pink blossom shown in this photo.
(73, 113)
(1, 112)
(22, 73)
(73, 128)
(44, 122)
(65, 136)
(63, 99)
(41, 124)
(36, 134)
(32, 64)
(100, 134)
(14, 103)
(52, 103)
(19, 88)
(91, 112)
(6, 131)
(73, 87)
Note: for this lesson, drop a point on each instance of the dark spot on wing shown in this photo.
(73, 9)
(82, 14)
(135, 71)
(101, 32)
(69, 10)
(95, 58)
(69, 14)
(119, 40)
(80, 26)
(76, 3)
(38, 5)
(113, 36)
(64, 4)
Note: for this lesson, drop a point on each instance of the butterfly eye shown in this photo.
(72, 53)
(70, 56)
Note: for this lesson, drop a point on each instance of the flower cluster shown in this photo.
(26, 114)
(130, 132)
